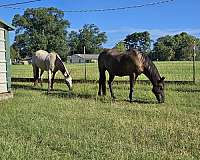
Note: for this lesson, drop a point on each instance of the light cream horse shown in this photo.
(50, 62)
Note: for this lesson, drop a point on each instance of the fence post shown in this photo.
(194, 54)
(84, 63)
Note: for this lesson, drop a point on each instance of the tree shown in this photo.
(90, 37)
(139, 40)
(184, 46)
(41, 28)
(163, 49)
(177, 47)
(14, 54)
(120, 46)
(73, 42)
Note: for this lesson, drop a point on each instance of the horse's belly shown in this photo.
(125, 71)
(40, 63)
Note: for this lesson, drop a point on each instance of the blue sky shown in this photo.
(168, 18)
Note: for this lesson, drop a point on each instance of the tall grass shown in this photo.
(81, 125)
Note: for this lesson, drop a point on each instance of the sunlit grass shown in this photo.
(81, 125)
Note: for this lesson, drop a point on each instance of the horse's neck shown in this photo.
(151, 72)
(60, 65)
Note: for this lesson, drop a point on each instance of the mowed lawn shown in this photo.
(81, 125)
(172, 70)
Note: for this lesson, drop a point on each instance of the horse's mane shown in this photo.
(61, 64)
(151, 70)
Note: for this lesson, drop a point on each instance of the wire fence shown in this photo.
(174, 71)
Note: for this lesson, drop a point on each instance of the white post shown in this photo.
(84, 62)
(194, 54)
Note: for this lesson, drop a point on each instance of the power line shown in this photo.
(119, 8)
(18, 3)
(93, 10)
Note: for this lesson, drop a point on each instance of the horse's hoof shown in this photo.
(131, 100)
(114, 98)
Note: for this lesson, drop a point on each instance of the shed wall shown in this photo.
(3, 62)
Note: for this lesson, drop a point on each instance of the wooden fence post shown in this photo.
(194, 54)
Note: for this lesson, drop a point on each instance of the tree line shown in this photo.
(46, 28)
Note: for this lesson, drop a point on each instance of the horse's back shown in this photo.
(41, 59)
(121, 64)
(39, 55)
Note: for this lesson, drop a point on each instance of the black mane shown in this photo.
(150, 70)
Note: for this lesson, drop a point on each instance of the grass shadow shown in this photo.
(105, 99)
(55, 92)
(31, 87)
(187, 90)
(70, 94)
(141, 101)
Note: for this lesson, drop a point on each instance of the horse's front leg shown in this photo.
(132, 81)
(52, 80)
(111, 78)
(49, 80)
(40, 78)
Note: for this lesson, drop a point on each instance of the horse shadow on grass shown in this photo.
(139, 101)
(31, 87)
(71, 94)
(189, 90)
(55, 92)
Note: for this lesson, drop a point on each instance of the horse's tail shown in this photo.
(101, 57)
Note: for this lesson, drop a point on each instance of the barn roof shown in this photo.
(6, 25)
(88, 56)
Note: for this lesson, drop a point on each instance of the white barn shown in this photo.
(5, 62)
(81, 58)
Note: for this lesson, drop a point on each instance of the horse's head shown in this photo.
(68, 80)
(158, 90)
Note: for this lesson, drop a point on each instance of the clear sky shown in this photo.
(167, 18)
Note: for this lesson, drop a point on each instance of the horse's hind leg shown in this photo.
(35, 74)
(111, 78)
(49, 80)
(40, 78)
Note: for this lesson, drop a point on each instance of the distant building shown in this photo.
(26, 60)
(5, 62)
(81, 58)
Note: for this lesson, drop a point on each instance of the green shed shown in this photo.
(5, 62)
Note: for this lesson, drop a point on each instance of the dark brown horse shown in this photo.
(131, 63)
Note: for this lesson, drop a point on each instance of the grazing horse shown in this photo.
(131, 63)
(50, 62)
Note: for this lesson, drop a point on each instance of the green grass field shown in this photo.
(81, 125)
(173, 71)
